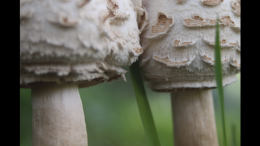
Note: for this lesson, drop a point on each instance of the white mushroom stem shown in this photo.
(57, 116)
(193, 118)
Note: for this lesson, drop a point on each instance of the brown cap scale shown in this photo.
(67, 44)
(179, 58)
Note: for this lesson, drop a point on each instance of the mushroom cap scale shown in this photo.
(183, 56)
(82, 42)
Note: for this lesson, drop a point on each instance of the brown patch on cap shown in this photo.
(226, 20)
(181, 1)
(138, 50)
(112, 7)
(210, 60)
(207, 59)
(163, 23)
(223, 43)
(197, 18)
(116, 15)
(168, 62)
(65, 21)
(197, 21)
(178, 43)
(211, 2)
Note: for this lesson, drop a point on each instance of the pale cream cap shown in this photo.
(77, 41)
(179, 43)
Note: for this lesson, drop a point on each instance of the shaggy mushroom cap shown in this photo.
(179, 43)
(76, 41)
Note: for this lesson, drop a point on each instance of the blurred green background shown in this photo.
(113, 119)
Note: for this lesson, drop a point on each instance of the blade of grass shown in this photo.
(143, 105)
(218, 72)
(233, 133)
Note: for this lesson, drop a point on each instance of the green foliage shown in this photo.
(218, 72)
(233, 131)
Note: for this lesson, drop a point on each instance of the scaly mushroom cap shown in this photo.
(179, 43)
(76, 41)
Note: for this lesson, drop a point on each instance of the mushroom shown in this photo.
(65, 45)
(179, 58)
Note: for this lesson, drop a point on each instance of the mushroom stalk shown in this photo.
(57, 116)
(193, 115)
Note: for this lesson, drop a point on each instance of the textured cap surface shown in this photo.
(76, 41)
(179, 43)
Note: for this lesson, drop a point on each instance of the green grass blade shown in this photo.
(218, 72)
(233, 134)
(143, 105)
